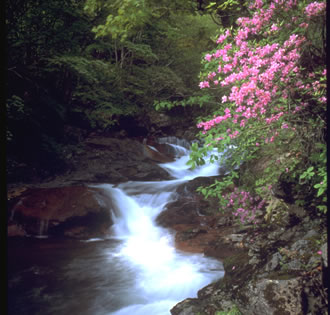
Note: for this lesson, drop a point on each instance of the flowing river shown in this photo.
(136, 270)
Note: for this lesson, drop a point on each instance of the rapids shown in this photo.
(136, 270)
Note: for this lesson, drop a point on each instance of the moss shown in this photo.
(269, 294)
(233, 311)
(283, 275)
(237, 267)
(238, 272)
(238, 260)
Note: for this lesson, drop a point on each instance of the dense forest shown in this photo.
(74, 67)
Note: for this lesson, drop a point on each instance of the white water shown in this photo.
(162, 275)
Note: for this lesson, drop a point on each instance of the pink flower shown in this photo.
(204, 84)
(274, 28)
(319, 252)
(227, 68)
(257, 144)
(314, 8)
(221, 39)
(303, 25)
(323, 99)
(227, 111)
(234, 134)
(211, 75)
(208, 57)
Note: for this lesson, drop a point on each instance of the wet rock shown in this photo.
(182, 211)
(274, 262)
(234, 238)
(75, 211)
(163, 148)
(147, 172)
(15, 230)
(295, 264)
(267, 278)
(199, 226)
(300, 246)
(224, 221)
(190, 187)
(153, 154)
(312, 234)
(189, 234)
(186, 307)
(104, 159)
(273, 297)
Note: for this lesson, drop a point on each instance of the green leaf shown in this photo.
(320, 192)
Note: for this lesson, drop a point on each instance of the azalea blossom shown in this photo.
(315, 8)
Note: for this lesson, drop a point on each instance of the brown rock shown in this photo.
(197, 232)
(154, 154)
(76, 211)
(15, 230)
(182, 211)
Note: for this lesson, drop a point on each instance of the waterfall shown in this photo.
(175, 141)
(163, 275)
(43, 228)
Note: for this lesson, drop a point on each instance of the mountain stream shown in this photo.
(136, 270)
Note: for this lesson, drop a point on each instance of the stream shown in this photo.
(136, 270)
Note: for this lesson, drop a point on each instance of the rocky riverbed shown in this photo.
(277, 267)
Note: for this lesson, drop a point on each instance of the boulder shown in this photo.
(186, 307)
(199, 226)
(267, 275)
(263, 296)
(182, 211)
(272, 297)
(75, 211)
(153, 154)
(102, 159)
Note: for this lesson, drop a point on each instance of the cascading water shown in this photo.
(163, 275)
(136, 270)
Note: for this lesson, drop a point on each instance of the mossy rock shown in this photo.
(283, 275)
(237, 268)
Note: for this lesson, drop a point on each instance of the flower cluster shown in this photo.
(244, 205)
(315, 8)
(217, 120)
(259, 75)
(265, 89)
